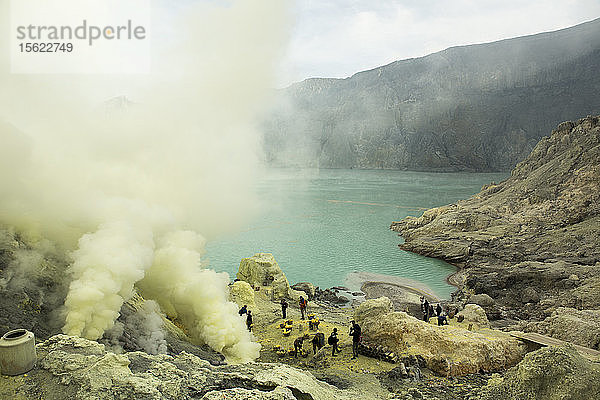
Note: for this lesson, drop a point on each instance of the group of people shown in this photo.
(302, 303)
(284, 305)
(428, 311)
(318, 341)
(244, 310)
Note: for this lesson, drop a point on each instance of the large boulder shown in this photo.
(373, 308)
(448, 350)
(551, 373)
(474, 314)
(262, 270)
(240, 292)
(483, 300)
(305, 287)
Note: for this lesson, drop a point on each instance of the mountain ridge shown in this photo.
(479, 107)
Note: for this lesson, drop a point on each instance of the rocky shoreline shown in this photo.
(529, 243)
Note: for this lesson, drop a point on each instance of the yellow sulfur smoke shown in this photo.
(110, 184)
(107, 265)
(197, 297)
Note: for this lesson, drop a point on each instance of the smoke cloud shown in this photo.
(107, 265)
(129, 186)
(197, 297)
(138, 328)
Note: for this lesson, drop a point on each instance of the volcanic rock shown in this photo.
(75, 368)
(474, 314)
(241, 293)
(568, 324)
(448, 350)
(531, 242)
(305, 287)
(550, 373)
(262, 270)
(482, 300)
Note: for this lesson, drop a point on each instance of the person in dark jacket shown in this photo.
(355, 332)
(249, 320)
(243, 310)
(298, 345)
(438, 310)
(284, 306)
(442, 320)
(318, 342)
(333, 341)
(425, 310)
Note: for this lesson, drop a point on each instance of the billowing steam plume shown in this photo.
(107, 265)
(128, 193)
(198, 297)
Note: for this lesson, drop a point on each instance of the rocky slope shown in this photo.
(550, 373)
(75, 368)
(530, 242)
(470, 108)
(32, 284)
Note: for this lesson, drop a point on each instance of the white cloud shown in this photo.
(336, 38)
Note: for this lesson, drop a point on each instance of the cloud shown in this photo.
(336, 38)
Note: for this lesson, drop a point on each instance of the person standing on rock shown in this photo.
(355, 332)
(249, 320)
(302, 303)
(425, 310)
(438, 309)
(284, 306)
(333, 341)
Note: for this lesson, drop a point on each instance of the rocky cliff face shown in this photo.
(470, 108)
(530, 242)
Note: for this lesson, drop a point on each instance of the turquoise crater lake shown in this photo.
(322, 225)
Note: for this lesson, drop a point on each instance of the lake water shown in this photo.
(322, 225)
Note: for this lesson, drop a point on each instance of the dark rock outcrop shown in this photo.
(530, 242)
(470, 108)
(32, 284)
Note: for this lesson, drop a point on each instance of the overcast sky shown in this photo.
(337, 38)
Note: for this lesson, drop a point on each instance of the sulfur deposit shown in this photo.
(241, 293)
(262, 270)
